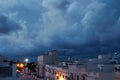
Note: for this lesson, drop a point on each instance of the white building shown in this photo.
(56, 73)
(93, 69)
(50, 57)
(80, 72)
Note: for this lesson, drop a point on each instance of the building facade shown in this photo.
(6, 68)
(56, 73)
(92, 69)
(50, 58)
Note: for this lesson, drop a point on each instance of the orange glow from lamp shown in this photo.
(21, 65)
(18, 65)
(61, 78)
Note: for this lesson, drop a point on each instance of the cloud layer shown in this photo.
(82, 27)
(7, 25)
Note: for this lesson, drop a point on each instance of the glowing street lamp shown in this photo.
(18, 65)
(26, 60)
(21, 65)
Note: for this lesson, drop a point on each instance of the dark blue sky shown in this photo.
(81, 27)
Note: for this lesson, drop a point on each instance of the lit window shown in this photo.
(63, 76)
(57, 77)
(66, 77)
(60, 74)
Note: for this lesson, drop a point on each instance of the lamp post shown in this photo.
(26, 63)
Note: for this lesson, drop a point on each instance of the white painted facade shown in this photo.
(56, 73)
(50, 57)
(94, 69)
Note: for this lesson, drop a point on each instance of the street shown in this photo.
(27, 77)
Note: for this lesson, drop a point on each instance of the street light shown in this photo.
(26, 60)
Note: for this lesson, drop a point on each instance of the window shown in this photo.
(60, 74)
(94, 73)
(71, 75)
(66, 77)
(83, 77)
(63, 76)
(77, 77)
(57, 77)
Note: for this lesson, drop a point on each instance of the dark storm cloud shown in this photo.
(7, 25)
(82, 27)
(90, 27)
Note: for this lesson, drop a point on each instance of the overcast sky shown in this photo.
(81, 27)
